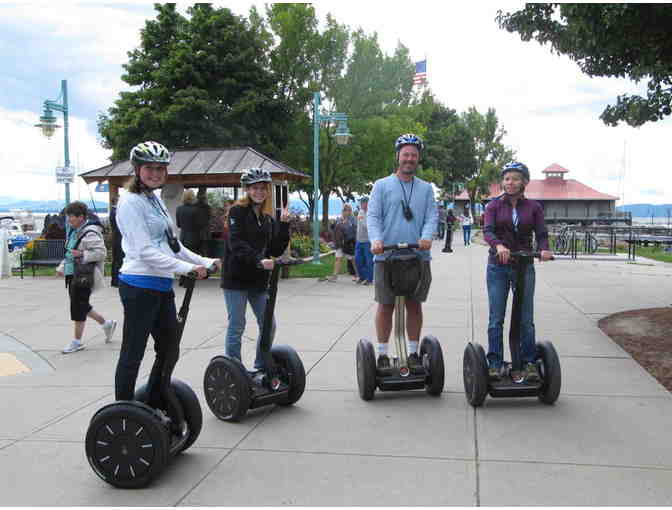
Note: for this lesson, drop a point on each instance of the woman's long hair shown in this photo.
(266, 205)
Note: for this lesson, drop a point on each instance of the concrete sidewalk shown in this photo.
(605, 442)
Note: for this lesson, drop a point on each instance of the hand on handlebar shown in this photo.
(201, 272)
(425, 244)
(216, 266)
(267, 264)
(546, 255)
(503, 254)
(377, 247)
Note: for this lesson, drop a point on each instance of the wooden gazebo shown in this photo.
(211, 168)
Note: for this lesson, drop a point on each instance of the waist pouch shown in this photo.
(403, 272)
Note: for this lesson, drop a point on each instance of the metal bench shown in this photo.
(46, 252)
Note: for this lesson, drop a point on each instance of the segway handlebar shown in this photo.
(531, 254)
(400, 246)
(194, 275)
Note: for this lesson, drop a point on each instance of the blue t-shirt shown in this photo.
(385, 218)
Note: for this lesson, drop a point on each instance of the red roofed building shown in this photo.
(562, 199)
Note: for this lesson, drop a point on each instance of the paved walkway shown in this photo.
(605, 442)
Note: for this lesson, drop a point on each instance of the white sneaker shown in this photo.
(74, 346)
(108, 329)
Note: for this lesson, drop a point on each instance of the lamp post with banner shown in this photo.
(65, 174)
(342, 136)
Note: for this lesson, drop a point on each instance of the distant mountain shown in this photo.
(647, 210)
(335, 206)
(42, 206)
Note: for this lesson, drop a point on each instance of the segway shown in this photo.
(402, 264)
(230, 390)
(128, 442)
(477, 384)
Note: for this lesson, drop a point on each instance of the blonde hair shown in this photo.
(188, 197)
(266, 205)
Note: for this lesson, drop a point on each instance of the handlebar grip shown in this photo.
(399, 246)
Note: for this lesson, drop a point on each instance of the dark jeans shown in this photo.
(148, 312)
(449, 238)
(440, 229)
(500, 279)
(466, 230)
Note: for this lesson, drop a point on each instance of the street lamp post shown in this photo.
(48, 126)
(342, 136)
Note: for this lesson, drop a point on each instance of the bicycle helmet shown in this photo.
(409, 139)
(253, 175)
(515, 166)
(149, 152)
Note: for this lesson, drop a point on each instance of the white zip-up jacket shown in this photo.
(143, 227)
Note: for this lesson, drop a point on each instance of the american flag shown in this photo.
(420, 76)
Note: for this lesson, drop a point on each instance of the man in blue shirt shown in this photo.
(402, 209)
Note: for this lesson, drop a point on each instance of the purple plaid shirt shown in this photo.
(498, 226)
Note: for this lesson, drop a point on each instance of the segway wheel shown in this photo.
(366, 369)
(191, 408)
(432, 360)
(475, 374)
(550, 373)
(291, 372)
(127, 445)
(227, 388)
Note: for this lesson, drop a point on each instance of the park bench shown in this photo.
(46, 252)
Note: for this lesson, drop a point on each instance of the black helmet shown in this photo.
(253, 175)
(149, 152)
(515, 166)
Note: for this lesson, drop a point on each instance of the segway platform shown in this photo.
(401, 376)
(230, 390)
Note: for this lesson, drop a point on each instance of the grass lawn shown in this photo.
(307, 270)
(310, 270)
(652, 253)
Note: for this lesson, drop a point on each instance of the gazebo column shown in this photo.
(171, 194)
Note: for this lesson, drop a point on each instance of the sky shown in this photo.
(549, 109)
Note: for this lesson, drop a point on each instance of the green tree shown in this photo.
(450, 150)
(201, 80)
(491, 154)
(621, 40)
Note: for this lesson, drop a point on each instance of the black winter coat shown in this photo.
(191, 219)
(251, 240)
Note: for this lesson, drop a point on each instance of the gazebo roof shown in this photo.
(206, 166)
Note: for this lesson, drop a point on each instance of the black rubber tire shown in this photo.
(227, 388)
(291, 372)
(191, 408)
(366, 369)
(475, 374)
(127, 445)
(550, 373)
(431, 348)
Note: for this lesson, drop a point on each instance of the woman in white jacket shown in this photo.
(84, 240)
(153, 256)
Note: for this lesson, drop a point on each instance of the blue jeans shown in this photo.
(466, 231)
(500, 279)
(236, 304)
(364, 260)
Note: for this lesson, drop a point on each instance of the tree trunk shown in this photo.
(325, 211)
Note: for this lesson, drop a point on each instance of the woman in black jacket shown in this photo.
(254, 237)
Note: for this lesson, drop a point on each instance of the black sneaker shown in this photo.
(383, 362)
(414, 360)
(495, 373)
(531, 373)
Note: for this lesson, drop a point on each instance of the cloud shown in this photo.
(548, 107)
(27, 166)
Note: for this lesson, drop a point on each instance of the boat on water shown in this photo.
(17, 237)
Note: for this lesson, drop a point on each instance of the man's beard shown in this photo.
(406, 170)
